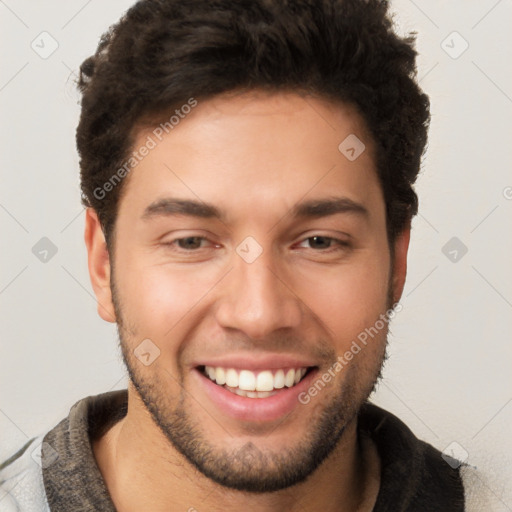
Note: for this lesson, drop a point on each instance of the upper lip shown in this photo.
(257, 362)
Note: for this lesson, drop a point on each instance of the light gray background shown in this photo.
(449, 374)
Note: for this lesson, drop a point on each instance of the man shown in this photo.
(247, 168)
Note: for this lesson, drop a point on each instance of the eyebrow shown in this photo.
(315, 208)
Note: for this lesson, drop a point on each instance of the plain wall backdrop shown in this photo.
(449, 374)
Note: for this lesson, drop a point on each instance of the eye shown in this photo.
(325, 243)
(189, 243)
(320, 244)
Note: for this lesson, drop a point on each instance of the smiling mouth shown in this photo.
(260, 384)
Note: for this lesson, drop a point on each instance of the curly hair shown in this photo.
(163, 52)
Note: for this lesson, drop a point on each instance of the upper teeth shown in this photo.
(250, 381)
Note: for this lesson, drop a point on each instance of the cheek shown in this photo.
(348, 299)
(156, 299)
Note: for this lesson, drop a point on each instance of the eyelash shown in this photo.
(340, 243)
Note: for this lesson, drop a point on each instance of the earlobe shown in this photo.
(99, 265)
(401, 247)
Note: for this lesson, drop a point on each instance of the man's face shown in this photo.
(267, 287)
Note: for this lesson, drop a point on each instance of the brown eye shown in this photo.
(320, 242)
(190, 242)
(324, 243)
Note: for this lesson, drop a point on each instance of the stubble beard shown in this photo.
(248, 468)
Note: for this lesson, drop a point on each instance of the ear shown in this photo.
(401, 246)
(99, 265)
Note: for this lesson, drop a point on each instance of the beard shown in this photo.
(249, 468)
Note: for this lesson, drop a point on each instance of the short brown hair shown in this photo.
(163, 52)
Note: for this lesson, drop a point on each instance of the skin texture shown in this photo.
(255, 156)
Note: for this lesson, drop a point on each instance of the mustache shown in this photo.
(319, 350)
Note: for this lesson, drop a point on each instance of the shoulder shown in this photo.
(21, 478)
(415, 476)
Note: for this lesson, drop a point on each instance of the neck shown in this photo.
(140, 466)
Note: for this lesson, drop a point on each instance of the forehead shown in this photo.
(258, 148)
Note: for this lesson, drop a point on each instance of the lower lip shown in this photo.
(254, 409)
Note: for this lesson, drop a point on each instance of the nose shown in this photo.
(258, 300)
